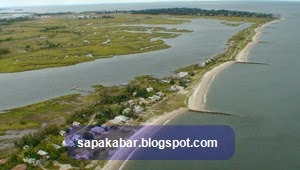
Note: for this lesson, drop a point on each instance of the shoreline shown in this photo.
(197, 99)
(158, 120)
(202, 87)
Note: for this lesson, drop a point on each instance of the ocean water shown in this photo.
(264, 99)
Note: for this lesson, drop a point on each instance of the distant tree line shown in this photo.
(8, 21)
(202, 12)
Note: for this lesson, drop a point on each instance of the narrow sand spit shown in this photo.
(197, 100)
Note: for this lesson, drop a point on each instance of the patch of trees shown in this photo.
(6, 39)
(8, 21)
(202, 12)
(54, 28)
(35, 139)
(4, 51)
(82, 115)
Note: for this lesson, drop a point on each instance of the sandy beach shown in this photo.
(197, 99)
(244, 53)
(145, 131)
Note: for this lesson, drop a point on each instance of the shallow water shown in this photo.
(208, 39)
(263, 98)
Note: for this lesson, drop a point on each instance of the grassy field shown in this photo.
(61, 40)
(32, 116)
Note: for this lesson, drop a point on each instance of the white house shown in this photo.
(176, 88)
(149, 89)
(56, 146)
(126, 111)
(62, 133)
(154, 98)
(116, 122)
(182, 74)
(138, 109)
(76, 124)
(42, 153)
(25, 147)
(86, 41)
(122, 118)
(166, 80)
(68, 143)
(160, 94)
(32, 161)
(130, 103)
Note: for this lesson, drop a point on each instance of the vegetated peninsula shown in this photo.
(141, 99)
(61, 39)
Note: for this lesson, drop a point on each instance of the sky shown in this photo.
(16, 3)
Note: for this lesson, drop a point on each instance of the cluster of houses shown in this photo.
(35, 161)
(91, 17)
(72, 140)
(207, 61)
(181, 75)
(138, 106)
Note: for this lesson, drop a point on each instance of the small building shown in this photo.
(166, 81)
(76, 124)
(32, 161)
(25, 147)
(42, 153)
(130, 103)
(182, 74)
(138, 109)
(122, 118)
(56, 146)
(97, 130)
(176, 88)
(126, 111)
(68, 143)
(160, 94)
(149, 89)
(143, 101)
(86, 41)
(116, 122)
(63, 133)
(154, 98)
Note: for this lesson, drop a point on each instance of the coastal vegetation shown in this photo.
(68, 39)
(107, 102)
(202, 12)
(61, 39)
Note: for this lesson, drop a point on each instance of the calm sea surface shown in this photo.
(264, 98)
